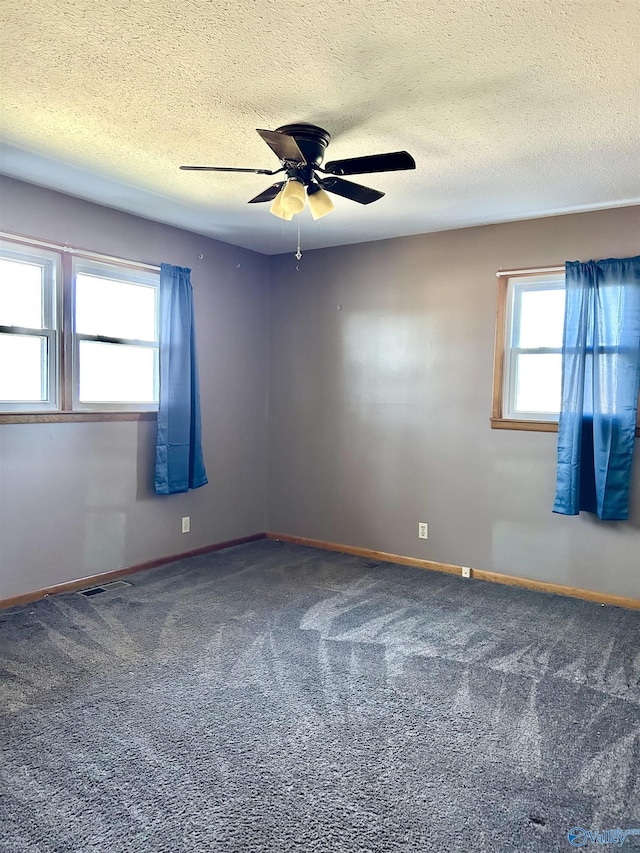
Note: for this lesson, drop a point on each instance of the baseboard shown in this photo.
(96, 580)
(477, 574)
(381, 556)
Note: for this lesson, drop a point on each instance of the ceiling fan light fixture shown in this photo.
(278, 210)
(319, 202)
(293, 196)
(300, 148)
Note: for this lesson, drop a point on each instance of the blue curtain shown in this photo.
(600, 382)
(179, 460)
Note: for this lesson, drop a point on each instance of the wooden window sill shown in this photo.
(73, 417)
(531, 426)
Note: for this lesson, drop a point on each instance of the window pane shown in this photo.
(115, 373)
(118, 309)
(541, 318)
(539, 383)
(22, 375)
(20, 294)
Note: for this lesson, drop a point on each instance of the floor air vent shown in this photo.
(105, 587)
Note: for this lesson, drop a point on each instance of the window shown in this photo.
(115, 337)
(76, 334)
(533, 348)
(527, 383)
(29, 324)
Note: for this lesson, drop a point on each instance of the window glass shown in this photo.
(528, 353)
(117, 373)
(20, 294)
(116, 309)
(79, 336)
(541, 318)
(532, 368)
(23, 359)
(538, 383)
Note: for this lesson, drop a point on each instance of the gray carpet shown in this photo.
(277, 698)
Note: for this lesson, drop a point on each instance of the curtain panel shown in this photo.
(179, 459)
(600, 386)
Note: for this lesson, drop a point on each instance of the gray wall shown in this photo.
(379, 412)
(76, 498)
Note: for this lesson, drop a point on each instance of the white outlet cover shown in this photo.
(423, 530)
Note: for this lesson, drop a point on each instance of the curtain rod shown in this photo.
(59, 247)
(532, 271)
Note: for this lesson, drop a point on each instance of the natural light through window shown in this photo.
(78, 333)
(538, 383)
(20, 294)
(116, 331)
(541, 318)
(533, 347)
(28, 333)
(23, 375)
(117, 309)
(114, 372)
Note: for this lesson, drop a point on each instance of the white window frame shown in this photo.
(61, 264)
(51, 265)
(516, 286)
(119, 273)
(503, 415)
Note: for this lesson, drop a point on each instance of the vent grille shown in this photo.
(105, 587)
(94, 590)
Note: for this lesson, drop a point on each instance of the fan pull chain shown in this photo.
(298, 250)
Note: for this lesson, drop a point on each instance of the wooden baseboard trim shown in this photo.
(96, 580)
(477, 574)
(382, 556)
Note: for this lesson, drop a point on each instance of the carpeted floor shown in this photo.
(277, 698)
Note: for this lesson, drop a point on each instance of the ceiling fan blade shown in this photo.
(283, 146)
(394, 162)
(347, 189)
(269, 194)
(228, 169)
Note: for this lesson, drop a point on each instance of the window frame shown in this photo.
(501, 416)
(115, 272)
(51, 265)
(516, 286)
(63, 361)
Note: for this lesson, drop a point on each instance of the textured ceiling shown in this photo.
(511, 108)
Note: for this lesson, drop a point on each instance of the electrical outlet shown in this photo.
(466, 572)
(186, 523)
(423, 530)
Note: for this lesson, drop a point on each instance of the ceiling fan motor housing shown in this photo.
(311, 139)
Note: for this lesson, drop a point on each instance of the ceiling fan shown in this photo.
(300, 148)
